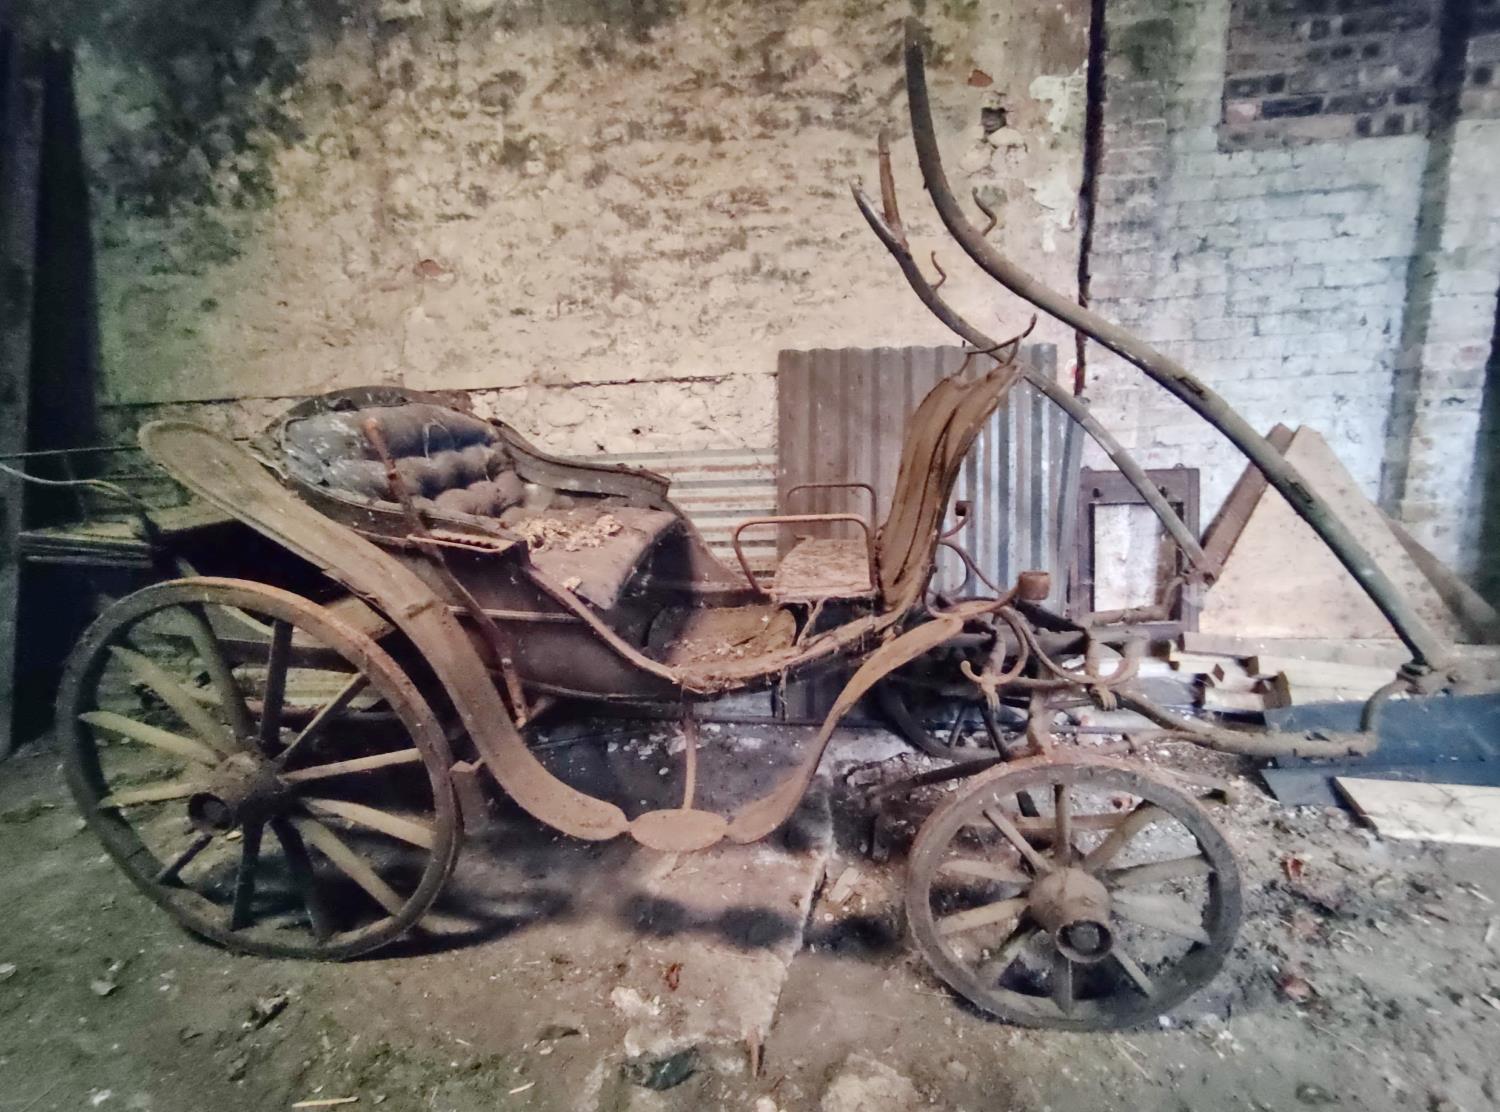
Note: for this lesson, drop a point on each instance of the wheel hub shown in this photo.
(244, 788)
(1073, 907)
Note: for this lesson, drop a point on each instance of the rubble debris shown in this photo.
(547, 532)
(843, 888)
(1308, 1093)
(864, 1084)
(1296, 988)
(556, 1031)
(661, 1073)
(266, 1009)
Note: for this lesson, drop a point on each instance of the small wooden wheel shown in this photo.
(258, 767)
(1072, 893)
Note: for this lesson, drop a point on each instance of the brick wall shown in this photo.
(1278, 276)
(1306, 70)
(1481, 89)
(1280, 263)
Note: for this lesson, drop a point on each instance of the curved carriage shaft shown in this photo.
(889, 232)
(280, 837)
(1427, 648)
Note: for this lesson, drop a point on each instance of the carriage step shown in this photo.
(679, 829)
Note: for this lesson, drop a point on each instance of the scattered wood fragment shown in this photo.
(1455, 813)
(326, 1102)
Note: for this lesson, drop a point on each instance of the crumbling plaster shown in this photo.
(563, 205)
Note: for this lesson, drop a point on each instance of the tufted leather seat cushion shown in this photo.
(460, 464)
(450, 458)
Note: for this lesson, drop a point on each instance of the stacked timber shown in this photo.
(1249, 682)
(1284, 623)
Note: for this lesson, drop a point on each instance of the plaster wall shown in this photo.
(607, 216)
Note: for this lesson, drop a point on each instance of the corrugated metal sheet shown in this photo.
(842, 415)
(717, 490)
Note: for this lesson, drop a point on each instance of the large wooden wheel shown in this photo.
(259, 767)
(1072, 893)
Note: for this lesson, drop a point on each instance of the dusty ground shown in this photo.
(1367, 976)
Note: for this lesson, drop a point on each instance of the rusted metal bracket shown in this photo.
(1427, 648)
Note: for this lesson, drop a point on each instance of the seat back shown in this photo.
(938, 436)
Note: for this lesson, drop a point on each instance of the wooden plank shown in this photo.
(1280, 580)
(1369, 653)
(1229, 522)
(1312, 785)
(1453, 813)
(1235, 702)
(1321, 672)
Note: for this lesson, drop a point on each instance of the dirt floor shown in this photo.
(1367, 976)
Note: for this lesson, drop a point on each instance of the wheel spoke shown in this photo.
(985, 870)
(1002, 823)
(326, 714)
(206, 641)
(170, 871)
(1062, 818)
(407, 830)
(1128, 827)
(356, 764)
(331, 846)
(1133, 970)
(179, 698)
(151, 793)
(154, 736)
(1062, 982)
(1161, 913)
(299, 864)
(991, 971)
(1008, 912)
(244, 881)
(1177, 868)
(276, 668)
(1045, 828)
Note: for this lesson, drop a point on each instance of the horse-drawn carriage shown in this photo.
(275, 767)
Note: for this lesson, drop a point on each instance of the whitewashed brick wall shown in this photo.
(1279, 276)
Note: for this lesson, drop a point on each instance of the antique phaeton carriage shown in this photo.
(277, 772)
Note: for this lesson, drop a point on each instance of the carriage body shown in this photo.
(597, 585)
